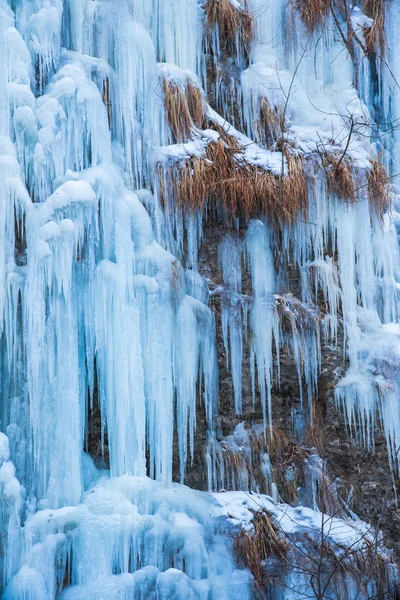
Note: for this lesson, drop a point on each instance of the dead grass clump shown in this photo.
(295, 193)
(234, 27)
(374, 36)
(234, 461)
(270, 125)
(371, 560)
(315, 434)
(184, 184)
(340, 176)
(379, 188)
(254, 547)
(277, 442)
(244, 467)
(313, 12)
(184, 106)
(223, 178)
(287, 460)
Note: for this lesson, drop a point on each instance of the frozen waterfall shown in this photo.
(126, 128)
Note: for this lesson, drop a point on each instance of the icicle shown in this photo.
(44, 30)
(233, 313)
(263, 318)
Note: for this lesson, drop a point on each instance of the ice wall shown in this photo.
(103, 308)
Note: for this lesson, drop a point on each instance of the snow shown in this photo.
(292, 522)
(135, 523)
(253, 153)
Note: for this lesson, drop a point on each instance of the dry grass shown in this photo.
(313, 12)
(222, 175)
(315, 434)
(379, 187)
(342, 180)
(225, 179)
(364, 562)
(287, 462)
(184, 106)
(286, 456)
(270, 126)
(340, 176)
(254, 547)
(277, 442)
(374, 36)
(235, 27)
(235, 462)
(371, 561)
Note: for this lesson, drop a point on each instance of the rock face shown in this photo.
(199, 280)
(366, 471)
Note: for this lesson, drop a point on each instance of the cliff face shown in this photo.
(199, 277)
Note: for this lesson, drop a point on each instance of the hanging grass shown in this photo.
(270, 126)
(375, 38)
(379, 188)
(313, 12)
(340, 175)
(233, 27)
(254, 547)
(184, 105)
(223, 177)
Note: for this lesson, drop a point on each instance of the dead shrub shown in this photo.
(286, 457)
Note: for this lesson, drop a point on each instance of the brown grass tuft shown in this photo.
(254, 547)
(286, 457)
(313, 12)
(371, 560)
(184, 106)
(234, 27)
(340, 176)
(223, 178)
(375, 38)
(270, 125)
(245, 468)
(315, 434)
(379, 188)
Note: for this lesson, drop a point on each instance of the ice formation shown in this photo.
(103, 306)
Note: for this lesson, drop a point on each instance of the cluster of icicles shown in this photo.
(97, 290)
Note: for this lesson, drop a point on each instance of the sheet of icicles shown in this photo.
(91, 290)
